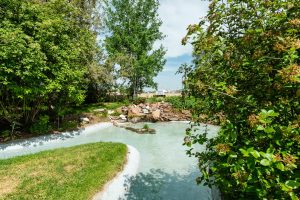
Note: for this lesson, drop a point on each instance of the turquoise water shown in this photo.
(165, 171)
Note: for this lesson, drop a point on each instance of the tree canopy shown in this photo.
(45, 53)
(133, 28)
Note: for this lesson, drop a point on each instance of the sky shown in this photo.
(177, 15)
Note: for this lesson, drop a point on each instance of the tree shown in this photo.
(184, 69)
(247, 75)
(133, 27)
(45, 53)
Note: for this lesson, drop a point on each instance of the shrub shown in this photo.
(41, 126)
(247, 76)
(182, 103)
(146, 126)
(139, 100)
(68, 125)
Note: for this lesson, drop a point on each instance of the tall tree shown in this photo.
(133, 27)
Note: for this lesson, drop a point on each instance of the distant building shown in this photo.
(161, 93)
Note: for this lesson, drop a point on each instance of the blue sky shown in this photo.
(176, 16)
(167, 79)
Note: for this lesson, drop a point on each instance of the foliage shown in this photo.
(246, 74)
(139, 100)
(154, 99)
(42, 125)
(146, 127)
(133, 28)
(45, 52)
(77, 172)
(180, 103)
(68, 125)
(184, 69)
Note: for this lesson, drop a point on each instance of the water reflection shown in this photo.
(160, 185)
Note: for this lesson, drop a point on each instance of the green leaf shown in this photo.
(220, 52)
(271, 113)
(280, 166)
(292, 184)
(244, 152)
(265, 162)
(293, 196)
(260, 128)
(255, 154)
(269, 130)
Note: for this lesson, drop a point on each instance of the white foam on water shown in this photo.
(47, 142)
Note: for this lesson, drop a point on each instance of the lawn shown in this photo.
(69, 173)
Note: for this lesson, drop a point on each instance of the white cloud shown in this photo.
(176, 16)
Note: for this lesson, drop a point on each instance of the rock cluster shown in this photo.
(136, 130)
(154, 112)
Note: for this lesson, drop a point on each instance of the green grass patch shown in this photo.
(69, 173)
(88, 108)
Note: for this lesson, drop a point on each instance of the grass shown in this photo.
(69, 173)
(87, 108)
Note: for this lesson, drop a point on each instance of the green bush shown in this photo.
(146, 126)
(247, 75)
(41, 126)
(139, 100)
(155, 99)
(182, 103)
(45, 53)
(68, 125)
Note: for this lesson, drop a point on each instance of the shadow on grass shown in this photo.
(160, 185)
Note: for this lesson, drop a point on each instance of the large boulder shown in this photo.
(156, 115)
(123, 117)
(136, 120)
(146, 111)
(119, 110)
(85, 120)
(135, 111)
(155, 106)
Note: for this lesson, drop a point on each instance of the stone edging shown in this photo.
(115, 189)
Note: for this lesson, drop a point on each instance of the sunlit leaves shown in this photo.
(248, 70)
(45, 51)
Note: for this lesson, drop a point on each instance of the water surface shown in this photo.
(165, 171)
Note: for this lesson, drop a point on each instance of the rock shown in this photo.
(124, 110)
(84, 120)
(114, 118)
(155, 106)
(135, 111)
(110, 112)
(139, 130)
(123, 117)
(119, 110)
(146, 111)
(186, 112)
(56, 132)
(173, 119)
(156, 115)
(136, 119)
(99, 110)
